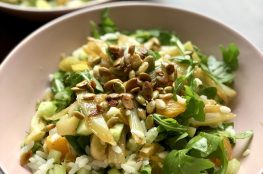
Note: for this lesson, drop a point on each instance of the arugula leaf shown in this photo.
(178, 162)
(195, 106)
(165, 37)
(144, 35)
(222, 71)
(78, 143)
(205, 143)
(210, 92)
(177, 142)
(72, 78)
(63, 82)
(184, 59)
(36, 147)
(230, 55)
(57, 82)
(106, 25)
(88, 76)
(195, 109)
(181, 81)
(199, 150)
(155, 54)
(94, 30)
(169, 124)
(63, 98)
(215, 149)
(203, 57)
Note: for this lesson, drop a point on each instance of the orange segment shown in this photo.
(228, 148)
(60, 144)
(172, 109)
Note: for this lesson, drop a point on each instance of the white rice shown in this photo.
(54, 137)
(39, 164)
(145, 162)
(80, 162)
(45, 167)
(110, 36)
(52, 131)
(50, 77)
(41, 154)
(117, 149)
(180, 99)
(225, 109)
(131, 165)
(198, 81)
(246, 153)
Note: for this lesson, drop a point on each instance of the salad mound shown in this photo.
(136, 102)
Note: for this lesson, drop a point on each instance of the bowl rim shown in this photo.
(61, 9)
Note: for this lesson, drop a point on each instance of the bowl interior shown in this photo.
(24, 74)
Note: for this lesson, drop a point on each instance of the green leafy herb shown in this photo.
(106, 25)
(195, 157)
(88, 76)
(177, 142)
(63, 98)
(181, 81)
(155, 54)
(36, 147)
(178, 162)
(144, 35)
(215, 148)
(78, 143)
(184, 59)
(210, 92)
(165, 37)
(195, 106)
(219, 71)
(230, 55)
(169, 124)
(57, 82)
(72, 78)
(94, 30)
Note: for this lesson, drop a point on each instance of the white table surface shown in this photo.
(245, 16)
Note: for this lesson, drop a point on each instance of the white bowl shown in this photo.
(24, 73)
(35, 14)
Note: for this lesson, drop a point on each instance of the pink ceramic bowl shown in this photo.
(35, 14)
(24, 73)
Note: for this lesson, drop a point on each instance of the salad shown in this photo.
(136, 102)
(47, 4)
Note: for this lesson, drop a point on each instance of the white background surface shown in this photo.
(245, 16)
